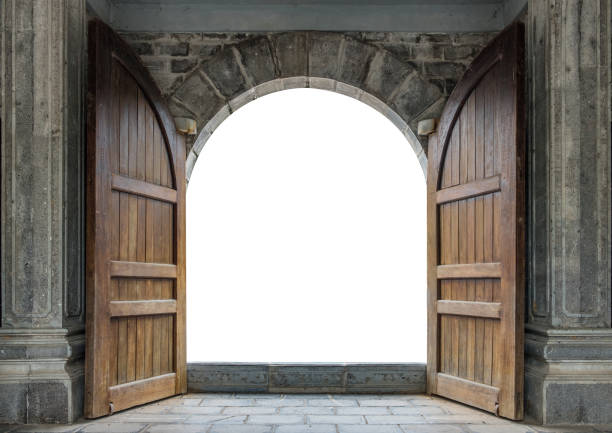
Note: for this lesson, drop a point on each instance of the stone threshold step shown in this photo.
(337, 378)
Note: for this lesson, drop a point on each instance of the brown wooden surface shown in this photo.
(476, 235)
(144, 189)
(135, 234)
(468, 190)
(142, 391)
(467, 391)
(469, 270)
(142, 308)
(142, 270)
(490, 310)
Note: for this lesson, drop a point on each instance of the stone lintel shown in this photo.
(167, 15)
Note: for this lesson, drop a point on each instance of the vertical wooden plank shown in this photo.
(149, 243)
(442, 256)
(489, 170)
(515, 165)
(462, 234)
(122, 342)
(499, 141)
(141, 235)
(462, 244)
(433, 254)
(454, 246)
(114, 228)
(446, 285)
(130, 105)
(448, 259)
(511, 236)
(165, 235)
(180, 348)
(470, 232)
(479, 228)
(99, 137)
(157, 234)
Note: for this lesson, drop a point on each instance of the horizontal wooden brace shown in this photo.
(142, 270)
(142, 308)
(468, 190)
(142, 391)
(490, 310)
(468, 392)
(142, 188)
(469, 270)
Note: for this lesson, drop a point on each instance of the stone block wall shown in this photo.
(405, 76)
(440, 57)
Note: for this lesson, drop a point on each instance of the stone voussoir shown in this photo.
(233, 74)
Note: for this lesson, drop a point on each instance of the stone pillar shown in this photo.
(42, 149)
(568, 372)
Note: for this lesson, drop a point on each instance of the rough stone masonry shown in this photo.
(231, 63)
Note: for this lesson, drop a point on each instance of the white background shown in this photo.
(306, 236)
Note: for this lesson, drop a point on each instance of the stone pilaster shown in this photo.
(42, 316)
(568, 336)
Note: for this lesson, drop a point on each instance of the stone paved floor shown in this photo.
(319, 413)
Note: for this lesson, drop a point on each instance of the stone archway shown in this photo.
(242, 72)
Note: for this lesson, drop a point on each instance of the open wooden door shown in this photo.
(476, 235)
(135, 350)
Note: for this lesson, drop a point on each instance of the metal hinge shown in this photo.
(496, 408)
(111, 407)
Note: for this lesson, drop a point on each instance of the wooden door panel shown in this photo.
(476, 235)
(142, 347)
(135, 237)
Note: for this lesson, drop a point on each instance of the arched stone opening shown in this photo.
(242, 72)
(280, 84)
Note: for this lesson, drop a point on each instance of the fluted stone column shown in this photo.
(42, 315)
(568, 334)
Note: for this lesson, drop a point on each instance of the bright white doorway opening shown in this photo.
(306, 236)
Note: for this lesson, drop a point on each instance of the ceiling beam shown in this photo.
(163, 16)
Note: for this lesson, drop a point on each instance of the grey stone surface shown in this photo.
(310, 378)
(227, 377)
(256, 55)
(225, 73)
(568, 336)
(325, 50)
(568, 375)
(414, 96)
(291, 54)
(385, 378)
(412, 73)
(306, 378)
(355, 62)
(13, 402)
(42, 196)
(385, 75)
(183, 65)
(569, 187)
(370, 414)
(571, 403)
